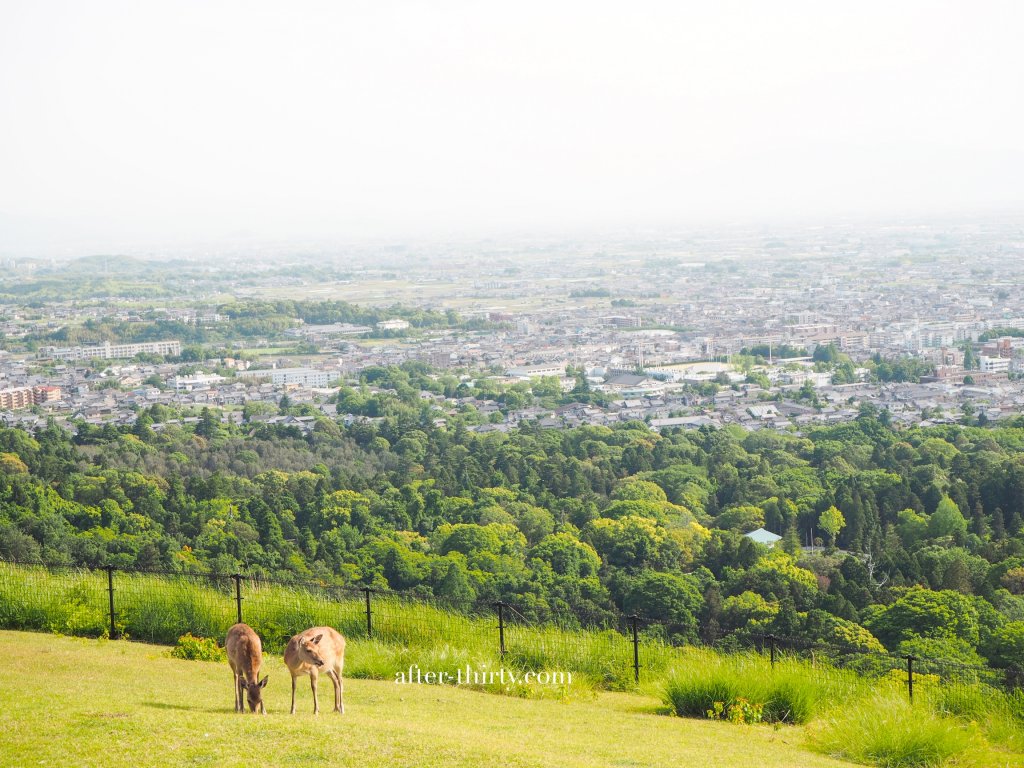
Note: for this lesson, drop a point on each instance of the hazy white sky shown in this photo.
(151, 123)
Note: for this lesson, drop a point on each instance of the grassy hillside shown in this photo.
(861, 714)
(96, 703)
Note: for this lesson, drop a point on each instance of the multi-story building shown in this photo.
(45, 394)
(623, 321)
(392, 325)
(199, 381)
(24, 397)
(1001, 347)
(993, 364)
(304, 377)
(532, 371)
(108, 351)
(17, 397)
(944, 356)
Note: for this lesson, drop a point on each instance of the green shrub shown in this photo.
(198, 649)
(885, 730)
(739, 710)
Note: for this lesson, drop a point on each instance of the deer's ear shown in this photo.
(318, 638)
(263, 682)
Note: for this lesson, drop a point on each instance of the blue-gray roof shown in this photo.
(761, 536)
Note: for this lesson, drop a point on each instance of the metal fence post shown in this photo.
(771, 648)
(238, 594)
(910, 677)
(501, 627)
(110, 594)
(636, 647)
(369, 613)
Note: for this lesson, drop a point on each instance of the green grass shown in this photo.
(887, 731)
(87, 703)
(867, 720)
(405, 633)
(999, 716)
(160, 609)
(790, 692)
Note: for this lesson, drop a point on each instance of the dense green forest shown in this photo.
(923, 529)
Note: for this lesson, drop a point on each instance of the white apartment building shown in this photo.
(199, 381)
(108, 351)
(994, 364)
(304, 377)
(531, 371)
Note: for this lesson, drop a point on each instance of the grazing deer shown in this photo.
(309, 652)
(245, 655)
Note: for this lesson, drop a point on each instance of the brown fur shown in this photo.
(245, 656)
(309, 652)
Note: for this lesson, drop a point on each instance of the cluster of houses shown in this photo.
(664, 396)
(649, 324)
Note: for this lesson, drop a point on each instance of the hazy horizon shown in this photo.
(127, 126)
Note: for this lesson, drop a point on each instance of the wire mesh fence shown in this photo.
(161, 606)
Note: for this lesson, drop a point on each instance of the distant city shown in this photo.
(764, 329)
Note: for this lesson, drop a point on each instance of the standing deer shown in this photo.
(245, 655)
(309, 652)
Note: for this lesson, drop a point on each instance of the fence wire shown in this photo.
(160, 606)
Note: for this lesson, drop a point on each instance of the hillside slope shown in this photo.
(94, 703)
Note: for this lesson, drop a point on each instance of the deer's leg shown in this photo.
(339, 705)
(341, 685)
(234, 680)
(293, 695)
(312, 684)
(334, 686)
(239, 701)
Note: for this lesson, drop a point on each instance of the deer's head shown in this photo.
(254, 692)
(309, 649)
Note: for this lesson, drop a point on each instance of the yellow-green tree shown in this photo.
(831, 521)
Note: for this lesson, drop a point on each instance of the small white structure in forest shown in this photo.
(761, 536)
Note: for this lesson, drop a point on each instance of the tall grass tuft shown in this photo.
(885, 730)
(790, 692)
(995, 712)
(692, 689)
